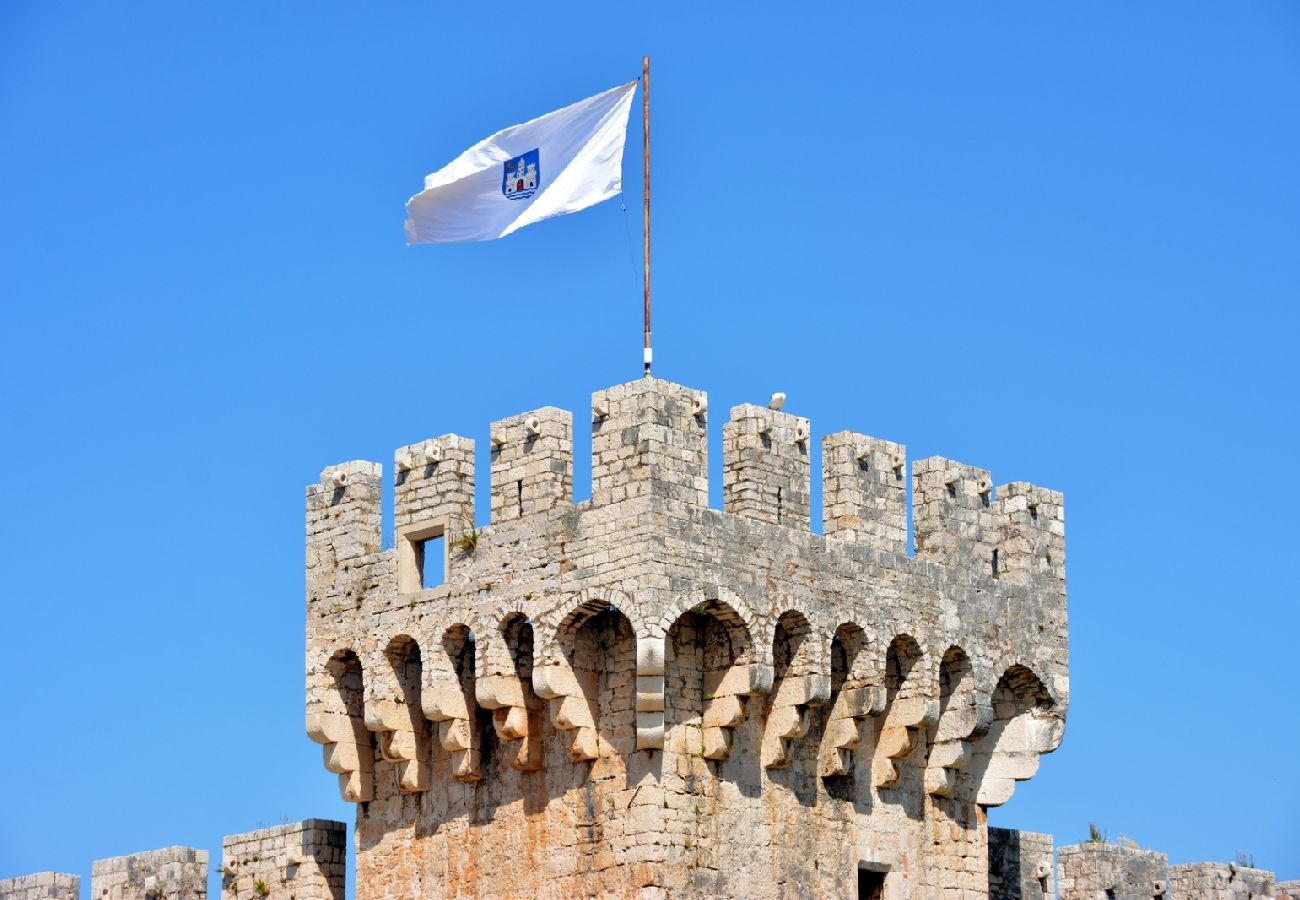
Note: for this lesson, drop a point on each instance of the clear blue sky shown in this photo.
(1058, 241)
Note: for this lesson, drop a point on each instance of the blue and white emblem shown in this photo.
(521, 176)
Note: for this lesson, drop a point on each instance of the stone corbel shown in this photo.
(952, 750)
(1017, 744)
(725, 693)
(401, 740)
(650, 693)
(347, 752)
(572, 697)
(452, 708)
(512, 718)
(852, 707)
(790, 715)
(899, 733)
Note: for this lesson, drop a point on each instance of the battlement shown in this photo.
(649, 439)
(623, 660)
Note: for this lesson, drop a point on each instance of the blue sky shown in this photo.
(1060, 241)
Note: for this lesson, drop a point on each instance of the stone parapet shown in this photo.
(172, 873)
(41, 886)
(304, 860)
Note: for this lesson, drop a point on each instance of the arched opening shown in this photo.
(905, 711)
(1025, 725)
(394, 714)
(336, 719)
(796, 686)
(708, 670)
(450, 702)
(855, 694)
(515, 713)
(603, 657)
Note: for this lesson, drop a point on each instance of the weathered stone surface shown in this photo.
(41, 886)
(304, 861)
(172, 873)
(1020, 865)
(1220, 881)
(640, 695)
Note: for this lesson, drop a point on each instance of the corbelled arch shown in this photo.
(1026, 724)
(336, 720)
(910, 705)
(448, 696)
(392, 708)
(800, 681)
(857, 693)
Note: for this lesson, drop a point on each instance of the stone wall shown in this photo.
(1114, 871)
(305, 861)
(1220, 881)
(41, 886)
(1020, 865)
(640, 692)
(173, 873)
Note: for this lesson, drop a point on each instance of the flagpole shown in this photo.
(645, 153)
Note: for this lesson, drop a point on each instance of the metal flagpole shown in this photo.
(645, 148)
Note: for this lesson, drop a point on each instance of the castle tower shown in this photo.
(639, 695)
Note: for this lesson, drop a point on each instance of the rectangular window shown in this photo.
(421, 557)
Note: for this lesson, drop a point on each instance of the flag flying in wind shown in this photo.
(559, 163)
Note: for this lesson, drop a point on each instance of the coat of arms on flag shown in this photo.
(521, 176)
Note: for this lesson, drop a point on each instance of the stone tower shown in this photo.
(638, 695)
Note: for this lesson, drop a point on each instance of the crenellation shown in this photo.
(864, 490)
(1031, 538)
(344, 521)
(433, 498)
(173, 873)
(649, 438)
(597, 686)
(765, 466)
(953, 516)
(532, 463)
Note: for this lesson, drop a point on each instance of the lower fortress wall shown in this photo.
(307, 860)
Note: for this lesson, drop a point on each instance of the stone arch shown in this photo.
(448, 698)
(336, 720)
(602, 655)
(710, 668)
(1025, 725)
(392, 710)
(799, 681)
(908, 708)
(856, 694)
(725, 606)
(959, 718)
(504, 685)
(555, 628)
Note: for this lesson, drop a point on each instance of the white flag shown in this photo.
(560, 163)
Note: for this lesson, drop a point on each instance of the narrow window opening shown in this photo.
(864, 464)
(778, 506)
(1042, 883)
(898, 473)
(871, 885)
(952, 489)
(431, 561)
(1033, 513)
(995, 563)
(519, 495)
(1110, 894)
(984, 498)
